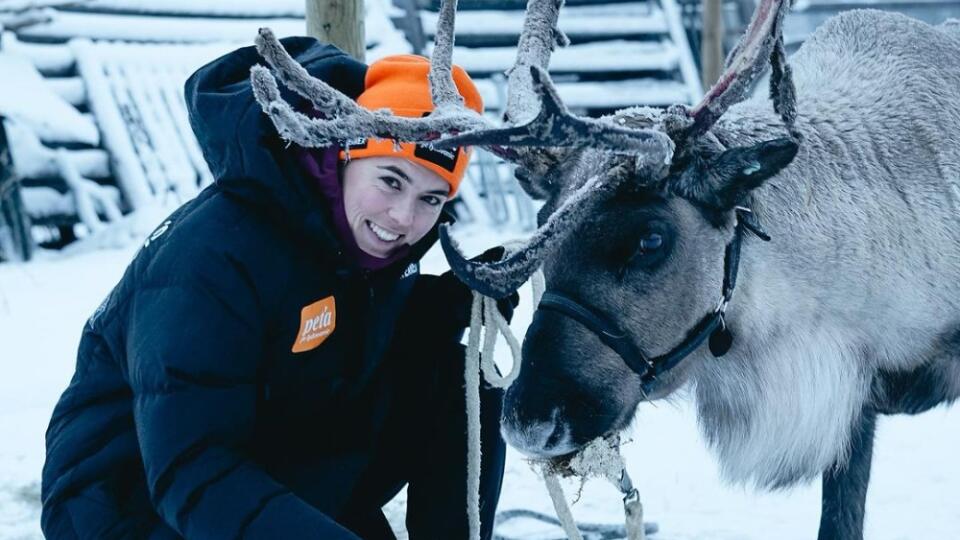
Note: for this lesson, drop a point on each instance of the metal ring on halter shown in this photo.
(626, 485)
(722, 305)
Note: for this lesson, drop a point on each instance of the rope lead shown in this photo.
(599, 458)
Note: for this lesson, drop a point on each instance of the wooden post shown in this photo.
(13, 216)
(340, 23)
(711, 43)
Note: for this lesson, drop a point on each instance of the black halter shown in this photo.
(711, 326)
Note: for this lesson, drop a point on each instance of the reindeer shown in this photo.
(831, 208)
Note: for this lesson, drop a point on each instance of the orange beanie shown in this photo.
(399, 83)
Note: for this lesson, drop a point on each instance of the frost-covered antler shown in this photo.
(762, 42)
(342, 119)
(501, 278)
(554, 126)
(535, 115)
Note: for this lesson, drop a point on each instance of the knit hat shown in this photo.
(399, 83)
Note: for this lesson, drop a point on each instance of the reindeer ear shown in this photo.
(738, 171)
(724, 181)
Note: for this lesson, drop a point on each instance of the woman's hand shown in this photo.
(455, 299)
(505, 305)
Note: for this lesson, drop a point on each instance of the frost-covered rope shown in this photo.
(600, 458)
(472, 381)
(564, 514)
(483, 309)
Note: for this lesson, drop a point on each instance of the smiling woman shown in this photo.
(391, 203)
(273, 365)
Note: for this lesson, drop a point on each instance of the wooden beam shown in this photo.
(13, 215)
(711, 45)
(340, 23)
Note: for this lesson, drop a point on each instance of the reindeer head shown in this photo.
(640, 208)
(646, 266)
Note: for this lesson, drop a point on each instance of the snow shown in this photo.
(158, 25)
(43, 305)
(25, 98)
(606, 95)
(66, 25)
(603, 56)
(34, 160)
(135, 90)
(26, 5)
(575, 21)
(48, 59)
(232, 8)
(70, 89)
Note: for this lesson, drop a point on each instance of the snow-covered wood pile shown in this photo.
(198, 21)
(621, 53)
(52, 145)
(96, 120)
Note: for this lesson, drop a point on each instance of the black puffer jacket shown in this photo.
(239, 361)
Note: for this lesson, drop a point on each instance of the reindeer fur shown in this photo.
(862, 279)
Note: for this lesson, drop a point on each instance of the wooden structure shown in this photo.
(119, 67)
(16, 243)
(621, 53)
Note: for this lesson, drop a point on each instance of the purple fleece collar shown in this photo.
(321, 165)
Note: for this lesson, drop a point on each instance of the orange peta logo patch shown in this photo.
(317, 322)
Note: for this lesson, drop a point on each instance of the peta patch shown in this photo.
(157, 233)
(317, 322)
(411, 270)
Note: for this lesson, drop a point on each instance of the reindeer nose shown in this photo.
(538, 438)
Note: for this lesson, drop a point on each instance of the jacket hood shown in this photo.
(247, 157)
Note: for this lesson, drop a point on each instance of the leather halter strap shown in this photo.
(619, 340)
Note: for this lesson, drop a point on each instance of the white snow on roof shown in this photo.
(25, 97)
(605, 56)
(71, 89)
(381, 34)
(383, 38)
(34, 160)
(228, 8)
(66, 25)
(604, 95)
(47, 58)
(24, 5)
(136, 91)
(581, 21)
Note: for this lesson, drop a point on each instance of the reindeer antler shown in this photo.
(532, 98)
(762, 42)
(554, 126)
(342, 118)
(535, 118)
(499, 279)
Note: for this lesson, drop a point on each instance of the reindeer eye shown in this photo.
(651, 242)
(647, 250)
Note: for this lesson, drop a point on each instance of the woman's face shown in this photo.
(391, 202)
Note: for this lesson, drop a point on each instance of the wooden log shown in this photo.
(13, 216)
(711, 45)
(340, 23)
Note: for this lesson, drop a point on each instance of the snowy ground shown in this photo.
(43, 306)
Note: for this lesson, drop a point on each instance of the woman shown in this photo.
(271, 365)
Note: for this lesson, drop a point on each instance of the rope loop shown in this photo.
(599, 458)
